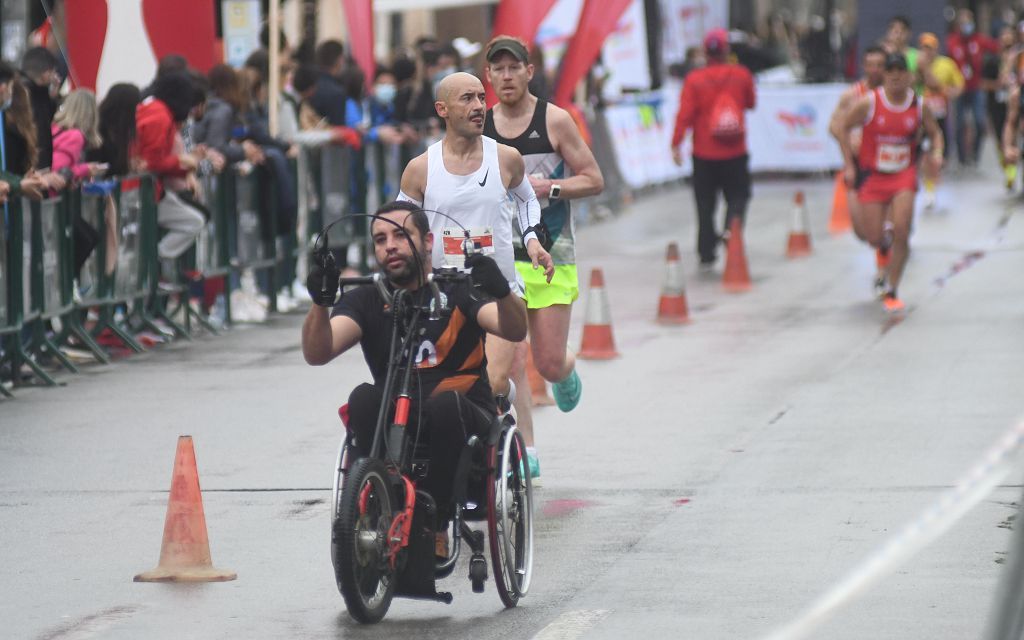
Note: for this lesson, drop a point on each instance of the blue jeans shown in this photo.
(973, 101)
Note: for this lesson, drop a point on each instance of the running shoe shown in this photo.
(568, 391)
(892, 304)
(929, 199)
(1010, 170)
(533, 462)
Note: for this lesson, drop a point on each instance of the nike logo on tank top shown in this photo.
(478, 201)
(541, 159)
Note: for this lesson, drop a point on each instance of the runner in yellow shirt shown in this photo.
(939, 82)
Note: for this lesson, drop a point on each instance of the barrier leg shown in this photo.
(73, 323)
(107, 321)
(21, 356)
(43, 342)
(5, 349)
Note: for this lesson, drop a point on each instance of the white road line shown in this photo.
(932, 523)
(571, 625)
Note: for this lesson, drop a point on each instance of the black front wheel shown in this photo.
(359, 540)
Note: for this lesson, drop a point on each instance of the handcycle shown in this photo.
(383, 527)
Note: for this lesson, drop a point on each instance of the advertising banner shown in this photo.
(788, 131)
(624, 53)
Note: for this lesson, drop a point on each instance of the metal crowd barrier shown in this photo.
(17, 303)
(121, 288)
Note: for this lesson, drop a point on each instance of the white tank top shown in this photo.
(479, 202)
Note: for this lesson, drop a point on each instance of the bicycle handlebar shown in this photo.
(444, 274)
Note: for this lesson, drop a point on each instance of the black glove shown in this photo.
(322, 281)
(486, 275)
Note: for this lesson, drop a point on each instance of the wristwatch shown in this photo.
(556, 191)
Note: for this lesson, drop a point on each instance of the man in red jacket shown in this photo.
(712, 104)
(157, 120)
(967, 47)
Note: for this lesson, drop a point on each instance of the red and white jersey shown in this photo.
(889, 143)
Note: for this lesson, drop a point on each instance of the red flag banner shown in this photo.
(597, 21)
(359, 15)
(521, 19)
(107, 46)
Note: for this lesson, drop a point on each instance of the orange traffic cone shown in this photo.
(538, 386)
(799, 244)
(736, 277)
(598, 343)
(185, 552)
(840, 221)
(672, 303)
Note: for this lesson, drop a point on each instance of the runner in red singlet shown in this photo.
(884, 171)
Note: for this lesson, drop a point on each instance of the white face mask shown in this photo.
(385, 93)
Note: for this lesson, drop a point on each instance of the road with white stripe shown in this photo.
(717, 478)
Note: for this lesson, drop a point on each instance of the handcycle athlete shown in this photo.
(394, 508)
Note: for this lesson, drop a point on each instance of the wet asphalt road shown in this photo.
(715, 479)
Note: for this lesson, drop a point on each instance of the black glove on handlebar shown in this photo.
(322, 281)
(486, 275)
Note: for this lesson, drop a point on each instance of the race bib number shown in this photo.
(893, 158)
(455, 244)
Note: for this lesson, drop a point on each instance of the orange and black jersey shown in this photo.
(450, 353)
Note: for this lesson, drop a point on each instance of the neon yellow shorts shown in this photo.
(564, 287)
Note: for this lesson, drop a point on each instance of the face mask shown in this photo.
(385, 93)
(967, 29)
(6, 103)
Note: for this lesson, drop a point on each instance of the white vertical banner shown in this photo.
(556, 30)
(624, 54)
(685, 23)
(241, 20)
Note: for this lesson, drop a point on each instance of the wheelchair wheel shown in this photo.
(359, 541)
(510, 517)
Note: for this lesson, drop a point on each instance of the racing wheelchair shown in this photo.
(383, 527)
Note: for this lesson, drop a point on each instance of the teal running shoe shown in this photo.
(567, 392)
(533, 462)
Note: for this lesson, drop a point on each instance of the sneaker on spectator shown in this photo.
(246, 307)
(285, 302)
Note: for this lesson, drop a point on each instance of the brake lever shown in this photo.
(378, 279)
(437, 310)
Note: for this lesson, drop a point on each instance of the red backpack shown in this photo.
(727, 120)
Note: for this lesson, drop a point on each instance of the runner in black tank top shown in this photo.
(541, 159)
(561, 167)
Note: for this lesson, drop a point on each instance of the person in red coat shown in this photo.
(968, 48)
(157, 121)
(713, 103)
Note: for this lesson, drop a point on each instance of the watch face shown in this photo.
(556, 191)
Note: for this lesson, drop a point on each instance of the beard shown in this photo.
(408, 270)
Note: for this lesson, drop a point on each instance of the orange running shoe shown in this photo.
(892, 304)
